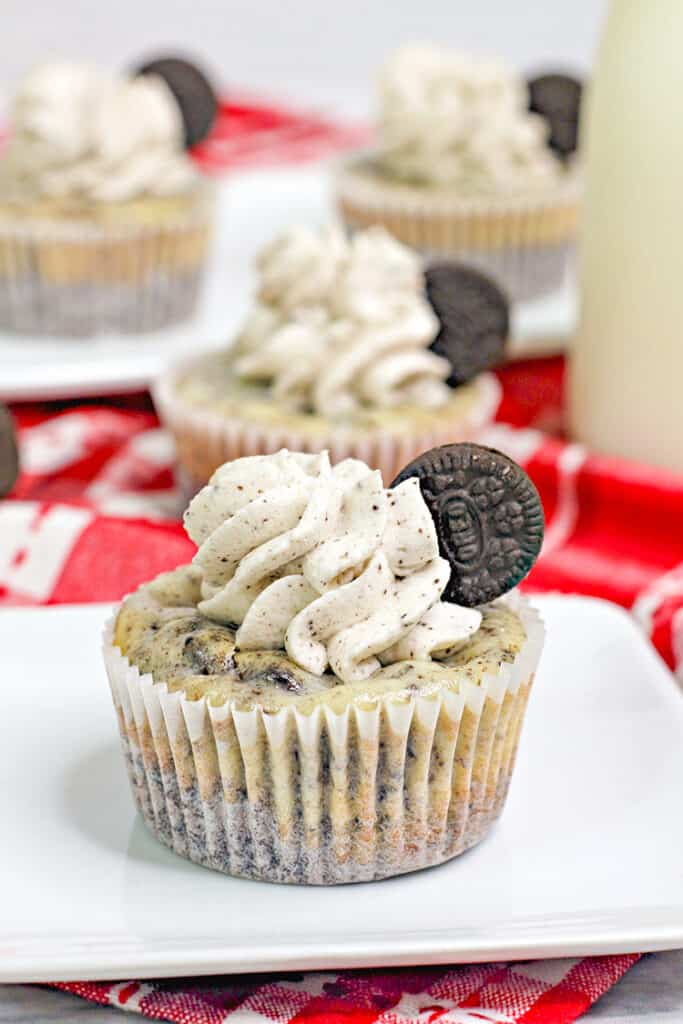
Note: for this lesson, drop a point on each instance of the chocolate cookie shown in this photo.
(558, 99)
(488, 517)
(193, 92)
(9, 456)
(474, 315)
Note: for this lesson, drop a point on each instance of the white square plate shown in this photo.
(587, 858)
(252, 207)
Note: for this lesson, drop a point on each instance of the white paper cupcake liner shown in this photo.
(385, 787)
(523, 272)
(525, 242)
(80, 279)
(206, 439)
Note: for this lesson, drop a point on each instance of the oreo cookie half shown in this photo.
(557, 98)
(488, 517)
(193, 92)
(9, 456)
(474, 314)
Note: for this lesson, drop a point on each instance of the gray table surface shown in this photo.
(650, 993)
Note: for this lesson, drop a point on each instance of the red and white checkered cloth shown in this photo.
(542, 992)
(98, 479)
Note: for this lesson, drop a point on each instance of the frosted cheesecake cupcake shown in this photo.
(104, 219)
(348, 348)
(323, 696)
(465, 169)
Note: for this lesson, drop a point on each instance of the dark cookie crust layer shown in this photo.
(488, 517)
(475, 319)
(9, 455)
(558, 99)
(193, 92)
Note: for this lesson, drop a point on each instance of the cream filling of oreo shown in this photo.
(341, 325)
(325, 563)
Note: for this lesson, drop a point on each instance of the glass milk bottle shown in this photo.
(626, 373)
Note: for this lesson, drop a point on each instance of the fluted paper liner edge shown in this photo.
(524, 241)
(206, 439)
(79, 279)
(387, 786)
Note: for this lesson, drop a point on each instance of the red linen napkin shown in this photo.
(541, 992)
(248, 133)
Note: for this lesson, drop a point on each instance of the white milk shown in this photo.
(626, 376)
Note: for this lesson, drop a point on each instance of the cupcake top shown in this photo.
(83, 135)
(325, 563)
(449, 119)
(340, 325)
(315, 583)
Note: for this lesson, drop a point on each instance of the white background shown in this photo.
(322, 52)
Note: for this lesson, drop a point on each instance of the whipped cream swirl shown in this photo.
(447, 119)
(78, 133)
(324, 562)
(342, 324)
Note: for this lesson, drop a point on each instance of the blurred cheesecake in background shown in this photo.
(349, 347)
(104, 217)
(472, 163)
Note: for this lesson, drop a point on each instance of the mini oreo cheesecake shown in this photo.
(104, 217)
(471, 163)
(349, 348)
(334, 690)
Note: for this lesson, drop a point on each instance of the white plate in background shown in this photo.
(586, 858)
(253, 206)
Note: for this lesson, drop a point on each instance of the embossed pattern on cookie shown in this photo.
(488, 517)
